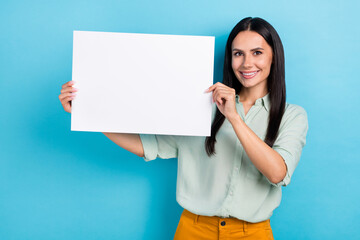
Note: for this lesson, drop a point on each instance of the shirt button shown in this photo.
(223, 223)
(237, 169)
(231, 193)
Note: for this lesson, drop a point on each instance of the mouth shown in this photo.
(249, 75)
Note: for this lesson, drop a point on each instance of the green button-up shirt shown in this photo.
(228, 183)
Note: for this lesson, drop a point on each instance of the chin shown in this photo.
(246, 83)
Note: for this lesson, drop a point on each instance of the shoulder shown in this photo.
(294, 114)
(293, 110)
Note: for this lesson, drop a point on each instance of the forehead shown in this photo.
(246, 40)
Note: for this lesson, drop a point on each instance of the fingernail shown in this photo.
(75, 89)
(73, 94)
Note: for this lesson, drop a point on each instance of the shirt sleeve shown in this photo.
(291, 139)
(159, 146)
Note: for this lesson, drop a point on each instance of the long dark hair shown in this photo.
(275, 81)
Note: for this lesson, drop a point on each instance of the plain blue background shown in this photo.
(58, 184)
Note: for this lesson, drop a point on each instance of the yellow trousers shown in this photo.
(198, 227)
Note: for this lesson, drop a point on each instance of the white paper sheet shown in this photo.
(142, 83)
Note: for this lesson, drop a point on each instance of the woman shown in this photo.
(230, 183)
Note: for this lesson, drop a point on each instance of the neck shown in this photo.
(249, 95)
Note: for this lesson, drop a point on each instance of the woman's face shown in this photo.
(251, 59)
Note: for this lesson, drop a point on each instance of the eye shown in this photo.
(237, 54)
(257, 52)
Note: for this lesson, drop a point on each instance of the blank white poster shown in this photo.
(142, 83)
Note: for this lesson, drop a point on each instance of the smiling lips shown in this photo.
(248, 75)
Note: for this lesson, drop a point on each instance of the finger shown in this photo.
(218, 104)
(217, 97)
(67, 106)
(67, 100)
(67, 109)
(220, 100)
(223, 95)
(218, 92)
(69, 89)
(225, 91)
(68, 84)
(65, 95)
(67, 103)
(211, 88)
(216, 85)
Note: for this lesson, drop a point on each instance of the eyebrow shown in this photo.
(254, 49)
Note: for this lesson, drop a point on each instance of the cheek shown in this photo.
(235, 63)
(265, 64)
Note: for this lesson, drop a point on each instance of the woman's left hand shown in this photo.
(224, 97)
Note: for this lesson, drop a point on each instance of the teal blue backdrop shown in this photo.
(58, 184)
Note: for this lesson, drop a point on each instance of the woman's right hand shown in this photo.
(130, 142)
(67, 95)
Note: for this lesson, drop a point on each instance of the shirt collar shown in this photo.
(264, 101)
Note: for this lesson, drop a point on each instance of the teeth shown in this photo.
(248, 74)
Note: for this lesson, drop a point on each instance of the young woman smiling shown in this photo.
(230, 183)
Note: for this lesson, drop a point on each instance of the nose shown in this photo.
(247, 61)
